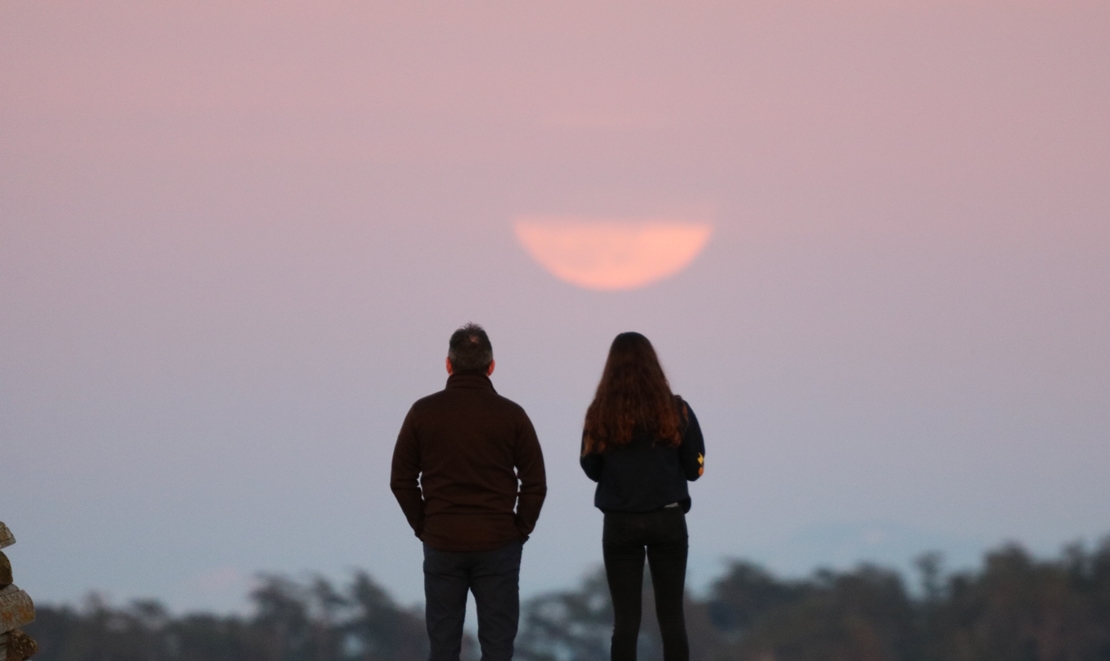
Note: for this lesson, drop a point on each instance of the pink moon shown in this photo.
(611, 254)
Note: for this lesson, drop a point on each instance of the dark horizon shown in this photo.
(1015, 607)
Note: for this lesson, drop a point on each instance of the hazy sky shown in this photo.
(235, 237)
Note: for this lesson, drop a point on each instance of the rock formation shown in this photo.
(16, 609)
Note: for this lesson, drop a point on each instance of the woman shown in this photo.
(642, 444)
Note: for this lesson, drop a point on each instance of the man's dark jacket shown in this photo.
(468, 446)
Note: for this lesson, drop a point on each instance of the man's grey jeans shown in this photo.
(494, 578)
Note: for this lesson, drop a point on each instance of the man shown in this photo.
(476, 456)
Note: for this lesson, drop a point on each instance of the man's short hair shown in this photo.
(470, 350)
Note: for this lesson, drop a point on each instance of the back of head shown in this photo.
(470, 350)
(633, 395)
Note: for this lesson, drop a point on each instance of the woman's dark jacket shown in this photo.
(647, 474)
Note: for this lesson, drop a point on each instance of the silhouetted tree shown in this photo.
(568, 625)
(380, 630)
(1015, 608)
(1019, 609)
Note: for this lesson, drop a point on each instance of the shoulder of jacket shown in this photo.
(510, 404)
(428, 400)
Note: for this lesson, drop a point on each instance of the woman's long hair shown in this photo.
(633, 395)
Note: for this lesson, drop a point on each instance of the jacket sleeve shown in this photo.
(404, 477)
(691, 453)
(591, 463)
(528, 461)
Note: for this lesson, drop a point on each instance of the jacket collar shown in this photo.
(474, 380)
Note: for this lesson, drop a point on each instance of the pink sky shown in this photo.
(234, 240)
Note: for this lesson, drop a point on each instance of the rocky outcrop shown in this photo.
(5, 571)
(17, 646)
(16, 609)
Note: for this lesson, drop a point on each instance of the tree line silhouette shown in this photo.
(1014, 607)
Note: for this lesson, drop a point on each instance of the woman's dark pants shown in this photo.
(494, 578)
(626, 536)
